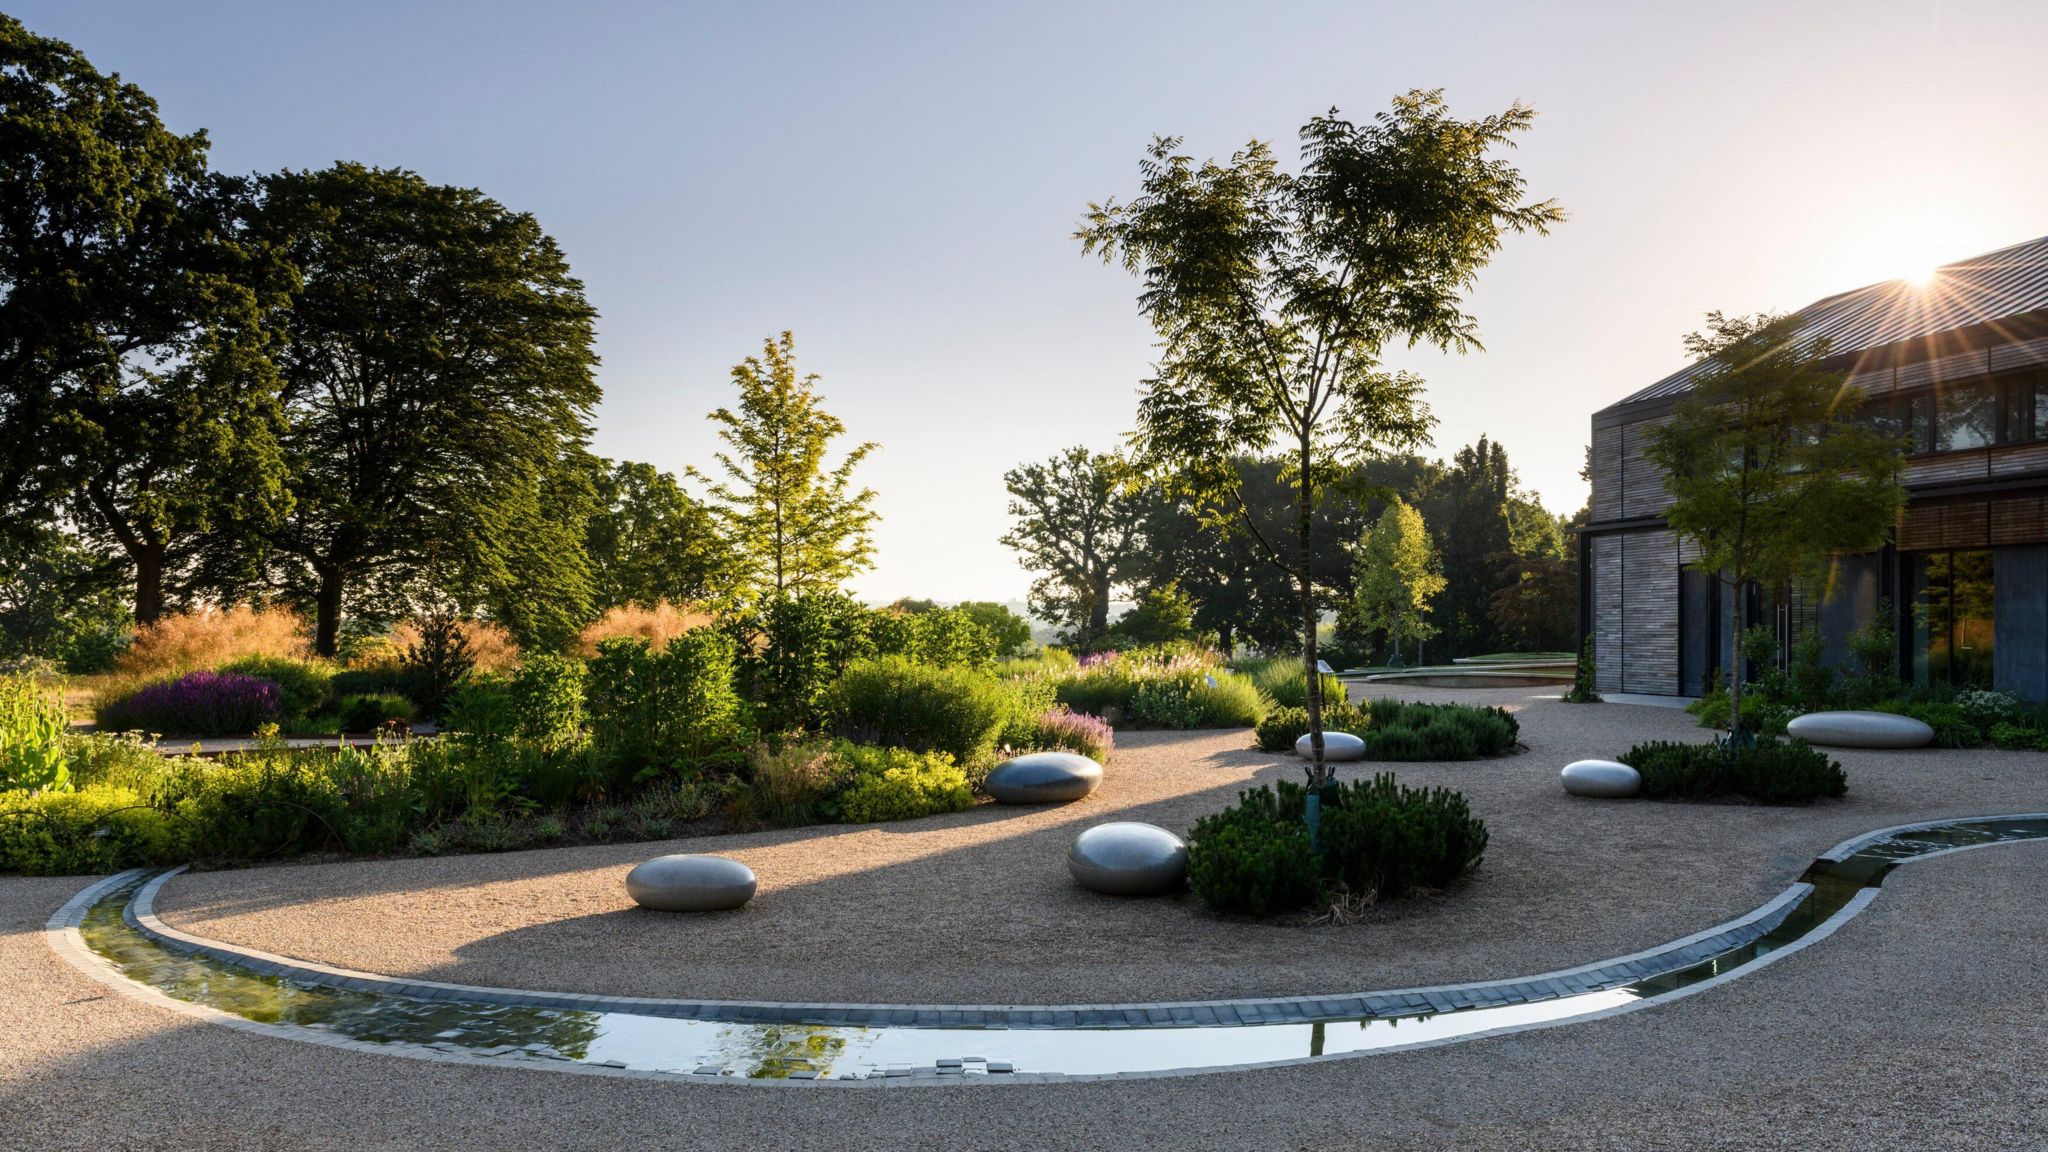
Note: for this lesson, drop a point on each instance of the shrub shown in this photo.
(196, 704)
(791, 649)
(547, 700)
(303, 686)
(491, 647)
(942, 636)
(890, 700)
(1772, 771)
(1951, 728)
(1585, 674)
(789, 784)
(1444, 739)
(672, 710)
(1062, 730)
(32, 726)
(1379, 839)
(1714, 708)
(1983, 708)
(189, 641)
(1281, 727)
(898, 784)
(92, 830)
(2010, 736)
(371, 680)
(370, 712)
(114, 760)
(438, 660)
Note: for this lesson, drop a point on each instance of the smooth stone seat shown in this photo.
(1336, 746)
(1044, 778)
(1129, 859)
(690, 883)
(1860, 730)
(1603, 778)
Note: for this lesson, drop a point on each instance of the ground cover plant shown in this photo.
(1402, 730)
(1378, 839)
(1770, 771)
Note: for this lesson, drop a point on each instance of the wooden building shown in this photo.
(1958, 363)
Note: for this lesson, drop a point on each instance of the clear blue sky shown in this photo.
(898, 185)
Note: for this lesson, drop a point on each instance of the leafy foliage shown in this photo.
(1772, 771)
(32, 727)
(898, 784)
(304, 687)
(673, 710)
(894, 701)
(1079, 518)
(1396, 578)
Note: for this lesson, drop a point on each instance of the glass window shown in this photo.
(1920, 422)
(1966, 417)
(1951, 627)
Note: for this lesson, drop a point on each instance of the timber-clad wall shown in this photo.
(1635, 612)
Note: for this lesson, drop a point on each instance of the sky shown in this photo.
(898, 184)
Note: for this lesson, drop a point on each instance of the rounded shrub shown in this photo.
(898, 784)
(368, 713)
(1250, 859)
(92, 830)
(1279, 728)
(889, 700)
(304, 687)
(1772, 771)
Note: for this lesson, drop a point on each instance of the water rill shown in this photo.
(109, 931)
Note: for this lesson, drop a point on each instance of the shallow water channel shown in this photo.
(705, 1049)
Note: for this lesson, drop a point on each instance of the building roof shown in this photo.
(1979, 290)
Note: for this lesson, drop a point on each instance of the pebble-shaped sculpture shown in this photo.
(1860, 730)
(1129, 859)
(1044, 778)
(1336, 746)
(690, 883)
(1606, 779)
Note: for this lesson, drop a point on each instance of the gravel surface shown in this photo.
(1919, 1025)
(978, 908)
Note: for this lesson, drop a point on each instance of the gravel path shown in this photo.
(977, 907)
(1920, 1024)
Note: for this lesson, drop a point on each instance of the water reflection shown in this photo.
(704, 1049)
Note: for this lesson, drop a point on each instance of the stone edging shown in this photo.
(62, 932)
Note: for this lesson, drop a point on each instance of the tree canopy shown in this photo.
(792, 524)
(647, 541)
(1398, 576)
(438, 386)
(1079, 520)
(1274, 294)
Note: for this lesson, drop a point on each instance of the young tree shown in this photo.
(648, 541)
(1475, 530)
(791, 525)
(1397, 576)
(1080, 517)
(134, 387)
(1768, 469)
(1275, 294)
(1163, 615)
(438, 388)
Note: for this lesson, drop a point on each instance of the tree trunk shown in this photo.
(1098, 609)
(327, 619)
(1225, 639)
(149, 582)
(1304, 523)
(1735, 675)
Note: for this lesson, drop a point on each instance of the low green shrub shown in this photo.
(1285, 682)
(889, 700)
(97, 829)
(789, 784)
(33, 756)
(669, 711)
(1772, 771)
(2010, 736)
(898, 784)
(370, 713)
(1281, 727)
(1057, 729)
(304, 687)
(1379, 840)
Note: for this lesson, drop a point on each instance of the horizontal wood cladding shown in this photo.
(1642, 482)
(2019, 459)
(2019, 354)
(1635, 612)
(1959, 525)
(2017, 520)
(1607, 474)
(1950, 468)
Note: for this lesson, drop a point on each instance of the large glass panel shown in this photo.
(1970, 605)
(1967, 417)
(1950, 630)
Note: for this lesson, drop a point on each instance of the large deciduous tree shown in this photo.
(437, 371)
(135, 390)
(1079, 522)
(793, 524)
(1274, 295)
(1768, 469)
(648, 541)
(1475, 531)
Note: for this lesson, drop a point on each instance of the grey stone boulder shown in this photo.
(1336, 746)
(1044, 778)
(1860, 730)
(690, 884)
(1129, 859)
(1607, 779)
